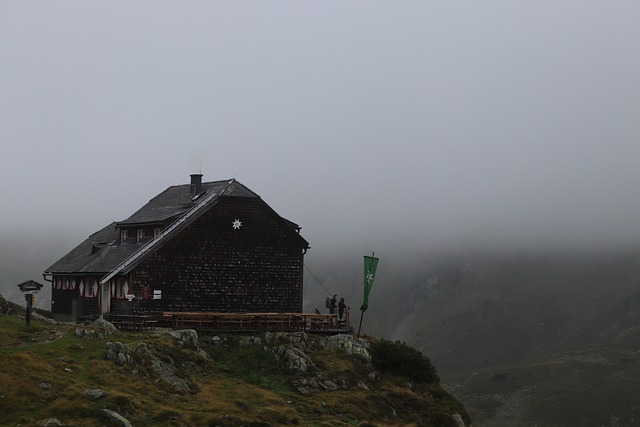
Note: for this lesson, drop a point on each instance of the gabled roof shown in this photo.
(176, 200)
(103, 254)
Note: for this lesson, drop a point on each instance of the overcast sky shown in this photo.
(426, 120)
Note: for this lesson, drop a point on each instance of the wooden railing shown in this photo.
(211, 321)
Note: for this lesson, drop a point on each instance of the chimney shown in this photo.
(196, 184)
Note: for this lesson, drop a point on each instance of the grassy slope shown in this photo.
(240, 385)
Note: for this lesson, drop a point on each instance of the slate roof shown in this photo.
(99, 253)
(102, 252)
(176, 200)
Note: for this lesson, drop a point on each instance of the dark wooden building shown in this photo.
(213, 246)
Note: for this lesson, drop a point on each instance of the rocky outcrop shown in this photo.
(119, 353)
(294, 352)
(6, 307)
(146, 359)
(143, 356)
(295, 361)
(189, 338)
(350, 345)
(100, 329)
(185, 337)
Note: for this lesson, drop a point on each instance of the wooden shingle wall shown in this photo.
(210, 266)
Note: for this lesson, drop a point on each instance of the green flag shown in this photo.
(370, 266)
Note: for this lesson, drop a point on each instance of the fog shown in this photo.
(374, 125)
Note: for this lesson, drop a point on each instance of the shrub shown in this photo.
(399, 358)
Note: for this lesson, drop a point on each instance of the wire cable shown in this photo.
(317, 280)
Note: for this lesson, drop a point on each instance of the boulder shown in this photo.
(115, 418)
(328, 385)
(457, 418)
(118, 352)
(44, 319)
(185, 336)
(52, 422)
(44, 386)
(166, 372)
(295, 361)
(94, 393)
(108, 327)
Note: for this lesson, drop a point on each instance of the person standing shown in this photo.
(341, 307)
(332, 309)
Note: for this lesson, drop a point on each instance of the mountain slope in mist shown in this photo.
(25, 253)
(505, 315)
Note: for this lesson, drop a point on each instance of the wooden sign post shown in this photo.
(29, 289)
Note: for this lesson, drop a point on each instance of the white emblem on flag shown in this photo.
(236, 224)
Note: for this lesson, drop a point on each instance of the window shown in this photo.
(139, 235)
(88, 289)
(124, 235)
(121, 284)
(156, 232)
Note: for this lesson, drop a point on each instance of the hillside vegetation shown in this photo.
(88, 375)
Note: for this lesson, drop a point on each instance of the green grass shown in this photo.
(46, 370)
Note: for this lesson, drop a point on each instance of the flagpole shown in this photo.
(361, 310)
(360, 326)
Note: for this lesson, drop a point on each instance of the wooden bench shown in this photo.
(150, 324)
(128, 321)
(128, 324)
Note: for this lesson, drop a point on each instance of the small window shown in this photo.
(156, 232)
(139, 235)
(120, 288)
(88, 289)
(124, 235)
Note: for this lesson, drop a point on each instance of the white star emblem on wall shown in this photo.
(236, 224)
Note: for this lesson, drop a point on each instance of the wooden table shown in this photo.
(131, 321)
